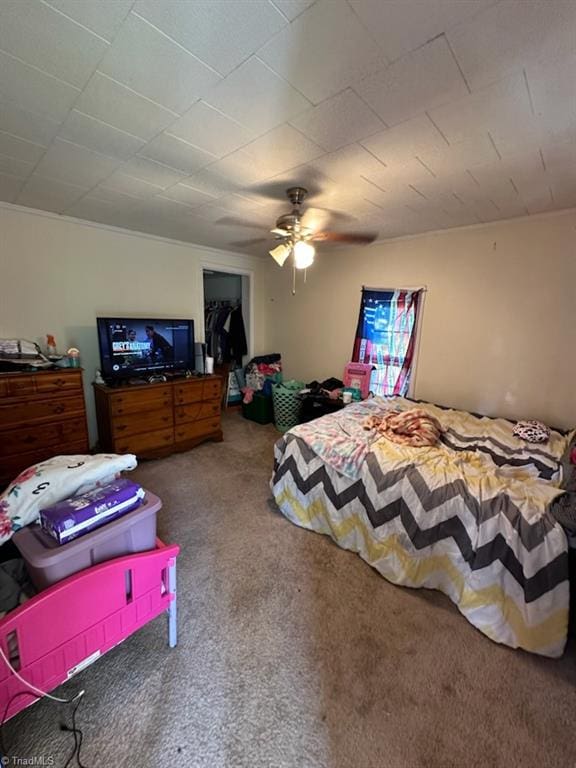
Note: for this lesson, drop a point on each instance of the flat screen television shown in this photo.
(135, 347)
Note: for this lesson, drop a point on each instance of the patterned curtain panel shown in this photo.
(385, 337)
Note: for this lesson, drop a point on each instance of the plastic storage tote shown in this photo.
(48, 562)
(259, 410)
(287, 404)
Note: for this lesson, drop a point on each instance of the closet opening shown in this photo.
(227, 327)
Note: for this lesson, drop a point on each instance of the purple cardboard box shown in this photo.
(76, 516)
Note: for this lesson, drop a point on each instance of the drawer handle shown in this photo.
(60, 383)
(121, 428)
(29, 439)
(167, 438)
(165, 418)
(59, 408)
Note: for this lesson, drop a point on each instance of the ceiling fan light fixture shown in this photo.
(280, 253)
(303, 254)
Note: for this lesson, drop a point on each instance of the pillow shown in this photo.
(532, 431)
(52, 481)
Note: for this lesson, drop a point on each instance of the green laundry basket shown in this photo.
(286, 404)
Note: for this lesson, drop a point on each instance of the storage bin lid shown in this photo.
(41, 551)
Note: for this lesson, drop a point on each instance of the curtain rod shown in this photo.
(422, 288)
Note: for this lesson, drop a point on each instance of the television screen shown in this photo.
(134, 347)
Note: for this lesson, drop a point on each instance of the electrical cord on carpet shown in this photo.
(38, 693)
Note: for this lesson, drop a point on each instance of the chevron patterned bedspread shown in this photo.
(469, 517)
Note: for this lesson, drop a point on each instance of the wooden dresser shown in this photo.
(153, 420)
(42, 414)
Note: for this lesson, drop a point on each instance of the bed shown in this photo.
(66, 627)
(470, 517)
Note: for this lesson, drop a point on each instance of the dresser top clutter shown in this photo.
(42, 413)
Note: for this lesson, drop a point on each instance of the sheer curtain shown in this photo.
(386, 337)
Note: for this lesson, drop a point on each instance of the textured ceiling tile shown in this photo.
(474, 151)
(510, 34)
(47, 40)
(48, 194)
(120, 107)
(187, 195)
(292, 8)
(152, 172)
(151, 64)
(14, 167)
(10, 186)
(413, 138)
(103, 17)
(553, 90)
(211, 182)
(256, 97)
(98, 136)
(323, 51)
(33, 90)
(75, 165)
(26, 125)
(348, 163)
(338, 121)
(419, 81)
(12, 146)
(176, 153)
(220, 33)
(129, 185)
(280, 149)
(401, 26)
(207, 128)
(498, 109)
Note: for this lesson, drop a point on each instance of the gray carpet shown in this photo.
(294, 653)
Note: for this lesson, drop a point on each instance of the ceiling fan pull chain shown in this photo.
(293, 281)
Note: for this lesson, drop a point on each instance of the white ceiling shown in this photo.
(179, 117)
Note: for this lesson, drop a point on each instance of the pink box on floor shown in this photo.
(357, 376)
(48, 562)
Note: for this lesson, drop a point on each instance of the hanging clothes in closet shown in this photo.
(225, 333)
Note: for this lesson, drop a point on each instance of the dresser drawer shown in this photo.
(144, 442)
(140, 401)
(189, 392)
(53, 409)
(212, 389)
(17, 386)
(186, 413)
(196, 429)
(11, 466)
(136, 423)
(59, 382)
(29, 438)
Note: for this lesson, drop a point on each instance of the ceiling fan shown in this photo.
(298, 238)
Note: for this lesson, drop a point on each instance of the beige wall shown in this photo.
(499, 318)
(57, 275)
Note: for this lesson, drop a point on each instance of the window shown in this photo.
(386, 337)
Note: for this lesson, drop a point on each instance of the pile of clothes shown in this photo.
(414, 427)
(260, 373)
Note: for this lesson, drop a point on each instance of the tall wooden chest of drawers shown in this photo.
(153, 420)
(42, 414)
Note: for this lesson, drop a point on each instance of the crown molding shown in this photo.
(206, 250)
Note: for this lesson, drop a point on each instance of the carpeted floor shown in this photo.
(296, 654)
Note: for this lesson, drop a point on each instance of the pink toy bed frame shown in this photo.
(65, 628)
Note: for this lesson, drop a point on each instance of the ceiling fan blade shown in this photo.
(233, 221)
(280, 232)
(357, 238)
